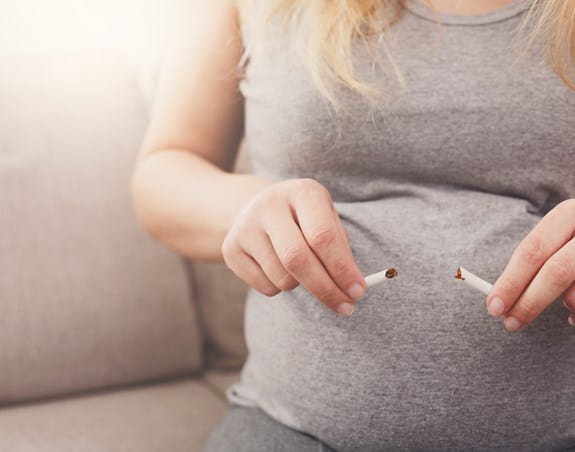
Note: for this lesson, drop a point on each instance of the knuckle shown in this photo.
(229, 250)
(526, 311)
(562, 212)
(308, 185)
(560, 271)
(567, 206)
(294, 259)
(330, 297)
(532, 252)
(241, 229)
(269, 200)
(322, 237)
(228, 261)
(340, 267)
(508, 284)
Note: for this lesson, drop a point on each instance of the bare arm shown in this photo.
(183, 192)
(274, 235)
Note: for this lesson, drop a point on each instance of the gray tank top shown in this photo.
(454, 170)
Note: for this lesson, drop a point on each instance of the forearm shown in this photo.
(189, 204)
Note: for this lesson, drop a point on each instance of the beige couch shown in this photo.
(108, 342)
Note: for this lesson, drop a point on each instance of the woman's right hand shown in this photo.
(290, 234)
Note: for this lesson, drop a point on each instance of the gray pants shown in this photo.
(244, 429)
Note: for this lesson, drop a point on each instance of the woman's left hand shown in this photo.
(541, 269)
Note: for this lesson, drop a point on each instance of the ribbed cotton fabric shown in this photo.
(453, 169)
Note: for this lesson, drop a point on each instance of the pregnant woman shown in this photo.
(418, 134)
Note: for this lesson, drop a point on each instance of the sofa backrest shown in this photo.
(220, 297)
(87, 299)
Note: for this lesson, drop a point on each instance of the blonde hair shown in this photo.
(554, 21)
(323, 31)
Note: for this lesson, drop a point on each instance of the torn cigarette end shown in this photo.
(458, 274)
(391, 273)
(474, 281)
(379, 277)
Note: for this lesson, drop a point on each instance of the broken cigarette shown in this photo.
(381, 276)
(472, 280)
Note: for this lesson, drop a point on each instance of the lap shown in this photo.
(248, 429)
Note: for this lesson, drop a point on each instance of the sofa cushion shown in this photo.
(175, 417)
(220, 299)
(88, 300)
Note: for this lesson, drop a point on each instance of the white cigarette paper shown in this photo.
(474, 281)
(381, 276)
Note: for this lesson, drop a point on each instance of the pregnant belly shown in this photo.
(420, 365)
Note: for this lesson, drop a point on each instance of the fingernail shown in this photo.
(511, 323)
(496, 307)
(571, 320)
(345, 309)
(355, 291)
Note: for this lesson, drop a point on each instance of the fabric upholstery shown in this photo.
(170, 417)
(220, 298)
(88, 300)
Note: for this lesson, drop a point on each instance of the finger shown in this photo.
(554, 278)
(343, 230)
(300, 261)
(247, 269)
(549, 235)
(345, 235)
(569, 298)
(571, 320)
(321, 228)
(260, 248)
